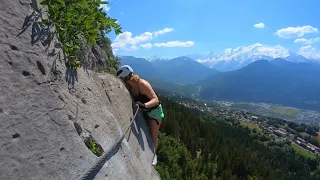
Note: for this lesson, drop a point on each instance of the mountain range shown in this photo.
(180, 70)
(277, 81)
(232, 59)
(250, 74)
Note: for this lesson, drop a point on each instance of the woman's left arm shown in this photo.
(146, 89)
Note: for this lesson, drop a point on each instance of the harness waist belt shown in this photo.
(152, 108)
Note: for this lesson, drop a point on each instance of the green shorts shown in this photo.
(156, 113)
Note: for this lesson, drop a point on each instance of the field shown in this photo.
(304, 134)
(303, 152)
(251, 126)
(288, 111)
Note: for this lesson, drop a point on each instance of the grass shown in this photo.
(251, 126)
(265, 143)
(245, 106)
(304, 134)
(303, 152)
(292, 112)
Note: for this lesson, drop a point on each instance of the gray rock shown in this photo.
(44, 119)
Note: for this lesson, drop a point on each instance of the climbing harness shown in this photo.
(93, 171)
(152, 108)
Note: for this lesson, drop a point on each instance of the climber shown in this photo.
(146, 99)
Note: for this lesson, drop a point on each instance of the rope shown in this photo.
(93, 171)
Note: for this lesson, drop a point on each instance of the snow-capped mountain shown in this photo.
(156, 58)
(204, 56)
(236, 58)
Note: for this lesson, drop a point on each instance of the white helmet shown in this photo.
(124, 71)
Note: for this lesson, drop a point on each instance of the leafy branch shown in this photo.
(78, 20)
(94, 147)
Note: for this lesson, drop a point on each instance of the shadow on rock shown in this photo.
(95, 170)
(71, 75)
(40, 29)
(140, 125)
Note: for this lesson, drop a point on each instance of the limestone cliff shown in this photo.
(46, 110)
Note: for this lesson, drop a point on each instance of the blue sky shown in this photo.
(213, 25)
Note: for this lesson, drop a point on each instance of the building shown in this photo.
(300, 139)
(283, 130)
(281, 133)
(291, 136)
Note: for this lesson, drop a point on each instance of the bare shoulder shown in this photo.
(145, 83)
(146, 87)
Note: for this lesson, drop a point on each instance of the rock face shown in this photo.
(46, 109)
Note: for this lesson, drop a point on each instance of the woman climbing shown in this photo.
(146, 99)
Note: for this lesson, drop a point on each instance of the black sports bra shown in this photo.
(141, 97)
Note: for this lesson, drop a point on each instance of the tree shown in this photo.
(225, 151)
(76, 22)
(254, 130)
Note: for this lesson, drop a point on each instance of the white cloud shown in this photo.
(105, 7)
(124, 39)
(175, 44)
(299, 31)
(133, 48)
(259, 25)
(310, 52)
(306, 41)
(146, 46)
(163, 31)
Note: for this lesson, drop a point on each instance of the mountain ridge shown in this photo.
(181, 70)
(267, 81)
(236, 58)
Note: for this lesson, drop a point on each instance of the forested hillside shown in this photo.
(195, 145)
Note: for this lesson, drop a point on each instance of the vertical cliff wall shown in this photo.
(47, 111)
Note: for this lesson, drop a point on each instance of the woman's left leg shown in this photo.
(154, 126)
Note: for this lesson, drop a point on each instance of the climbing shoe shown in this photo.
(155, 160)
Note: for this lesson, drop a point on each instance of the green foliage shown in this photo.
(198, 146)
(78, 20)
(113, 63)
(93, 147)
(254, 130)
(303, 152)
(175, 159)
(292, 112)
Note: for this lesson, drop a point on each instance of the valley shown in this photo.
(277, 111)
(302, 137)
(206, 140)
